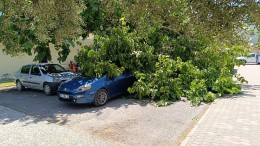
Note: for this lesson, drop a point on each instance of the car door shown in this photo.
(35, 77)
(119, 85)
(24, 75)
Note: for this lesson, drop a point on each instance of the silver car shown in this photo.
(251, 58)
(46, 77)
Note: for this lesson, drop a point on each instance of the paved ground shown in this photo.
(18, 129)
(231, 121)
(120, 122)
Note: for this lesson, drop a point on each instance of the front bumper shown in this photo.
(83, 98)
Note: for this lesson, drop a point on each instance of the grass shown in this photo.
(7, 84)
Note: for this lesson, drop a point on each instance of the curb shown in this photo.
(192, 131)
(186, 132)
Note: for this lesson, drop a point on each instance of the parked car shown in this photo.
(251, 58)
(43, 76)
(84, 90)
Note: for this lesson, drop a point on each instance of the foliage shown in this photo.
(29, 26)
(121, 50)
(174, 48)
(203, 76)
(93, 17)
(168, 83)
(198, 91)
(7, 84)
(219, 21)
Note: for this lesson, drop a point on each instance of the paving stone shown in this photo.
(232, 120)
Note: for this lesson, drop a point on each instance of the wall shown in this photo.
(9, 65)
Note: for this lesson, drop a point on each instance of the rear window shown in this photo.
(25, 69)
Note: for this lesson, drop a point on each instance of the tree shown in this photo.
(28, 26)
(174, 48)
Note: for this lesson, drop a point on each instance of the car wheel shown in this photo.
(19, 86)
(47, 89)
(101, 97)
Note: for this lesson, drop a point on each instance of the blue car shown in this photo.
(84, 90)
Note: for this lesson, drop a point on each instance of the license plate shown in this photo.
(64, 96)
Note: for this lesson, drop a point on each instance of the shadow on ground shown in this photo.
(246, 92)
(36, 104)
(251, 87)
(126, 121)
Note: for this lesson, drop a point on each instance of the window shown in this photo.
(25, 69)
(35, 70)
(52, 68)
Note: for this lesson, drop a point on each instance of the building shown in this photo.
(9, 65)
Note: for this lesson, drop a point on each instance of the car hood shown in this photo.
(63, 75)
(77, 82)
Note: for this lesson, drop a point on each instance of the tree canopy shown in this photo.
(174, 48)
(28, 26)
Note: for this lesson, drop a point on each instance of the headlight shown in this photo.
(84, 88)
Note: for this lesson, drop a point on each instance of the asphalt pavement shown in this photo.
(120, 122)
(18, 129)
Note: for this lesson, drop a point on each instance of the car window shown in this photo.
(253, 55)
(35, 70)
(59, 68)
(25, 69)
(52, 68)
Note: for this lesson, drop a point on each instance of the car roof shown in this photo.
(40, 64)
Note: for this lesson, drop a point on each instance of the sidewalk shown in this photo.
(231, 121)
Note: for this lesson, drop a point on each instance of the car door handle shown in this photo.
(30, 77)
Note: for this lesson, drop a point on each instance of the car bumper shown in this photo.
(76, 98)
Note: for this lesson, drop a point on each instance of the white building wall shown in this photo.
(9, 65)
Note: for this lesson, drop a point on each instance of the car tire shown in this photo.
(19, 86)
(47, 89)
(101, 97)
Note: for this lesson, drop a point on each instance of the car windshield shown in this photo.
(51, 68)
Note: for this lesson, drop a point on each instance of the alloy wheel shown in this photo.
(47, 89)
(102, 97)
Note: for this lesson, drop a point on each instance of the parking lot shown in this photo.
(120, 121)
